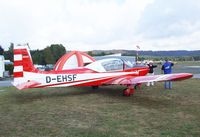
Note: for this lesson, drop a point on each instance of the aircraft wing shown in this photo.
(143, 79)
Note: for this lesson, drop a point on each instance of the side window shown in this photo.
(128, 64)
(113, 65)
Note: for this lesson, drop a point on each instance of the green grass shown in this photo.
(105, 112)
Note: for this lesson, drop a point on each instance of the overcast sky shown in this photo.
(101, 24)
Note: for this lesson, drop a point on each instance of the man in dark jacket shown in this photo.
(151, 72)
(167, 69)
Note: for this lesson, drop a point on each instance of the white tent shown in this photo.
(2, 66)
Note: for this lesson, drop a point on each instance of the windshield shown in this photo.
(111, 64)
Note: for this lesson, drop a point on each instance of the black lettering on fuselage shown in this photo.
(69, 77)
(64, 78)
(61, 78)
(74, 76)
(48, 79)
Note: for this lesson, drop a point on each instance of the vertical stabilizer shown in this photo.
(22, 63)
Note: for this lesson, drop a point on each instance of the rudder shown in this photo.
(22, 61)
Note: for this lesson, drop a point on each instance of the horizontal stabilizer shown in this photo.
(28, 84)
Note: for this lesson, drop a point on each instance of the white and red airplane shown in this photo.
(112, 71)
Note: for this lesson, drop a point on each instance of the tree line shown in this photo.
(172, 58)
(142, 57)
(48, 55)
(52, 53)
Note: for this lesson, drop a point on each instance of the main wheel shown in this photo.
(137, 86)
(95, 87)
(128, 91)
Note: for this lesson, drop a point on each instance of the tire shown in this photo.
(95, 87)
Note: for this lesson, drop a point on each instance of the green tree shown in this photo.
(48, 56)
(9, 54)
(90, 53)
(57, 51)
(38, 57)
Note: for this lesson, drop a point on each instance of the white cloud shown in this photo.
(84, 23)
(95, 24)
(171, 25)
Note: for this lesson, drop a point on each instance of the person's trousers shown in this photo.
(150, 83)
(168, 85)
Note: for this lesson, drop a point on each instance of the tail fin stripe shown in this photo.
(22, 63)
(18, 57)
(18, 69)
(20, 51)
(18, 74)
(18, 63)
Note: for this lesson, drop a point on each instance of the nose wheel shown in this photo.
(128, 92)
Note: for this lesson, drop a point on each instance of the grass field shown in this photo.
(105, 112)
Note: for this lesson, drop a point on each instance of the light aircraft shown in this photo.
(111, 71)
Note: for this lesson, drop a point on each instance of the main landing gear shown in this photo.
(129, 91)
(95, 87)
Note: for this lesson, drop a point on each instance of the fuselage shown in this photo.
(94, 74)
(78, 77)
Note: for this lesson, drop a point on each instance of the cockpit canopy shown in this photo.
(110, 64)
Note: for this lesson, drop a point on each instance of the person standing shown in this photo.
(167, 69)
(151, 72)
